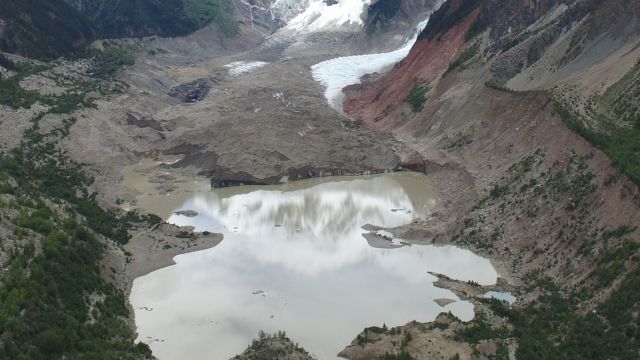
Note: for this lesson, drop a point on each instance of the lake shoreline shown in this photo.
(172, 184)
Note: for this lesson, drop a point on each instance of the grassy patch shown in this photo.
(621, 144)
(553, 327)
(417, 97)
(621, 101)
(108, 61)
(14, 96)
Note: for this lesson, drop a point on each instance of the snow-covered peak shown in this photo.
(320, 15)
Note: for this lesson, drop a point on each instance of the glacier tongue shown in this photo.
(338, 73)
(319, 16)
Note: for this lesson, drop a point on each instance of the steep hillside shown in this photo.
(46, 30)
(525, 113)
(149, 17)
(383, 14)
(42, 29)
(66, 263)
(55, 301)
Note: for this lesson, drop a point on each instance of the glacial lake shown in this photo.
(294, 259)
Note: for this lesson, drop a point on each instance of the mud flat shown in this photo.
(294, 258)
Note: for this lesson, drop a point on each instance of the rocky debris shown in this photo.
(523, 33)
(144, 122)
(223, 178)
(44, 85)
(382, 104)
(237, 68)
(13, 124)
(187, 213)
(277, 346)
(434, 341)
(507, 127)
(194, 91)
(291, 130)
(267, 16)
(443, 301)
(205, 160)
(286, 10)
(183, 149)
(414, 162)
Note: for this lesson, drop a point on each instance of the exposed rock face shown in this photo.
(144, 122)
(383, 14)
(193, 91)
(286, 10)
(380, 159)
(258, 14)
(462, 117)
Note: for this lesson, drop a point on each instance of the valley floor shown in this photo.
(552, 211)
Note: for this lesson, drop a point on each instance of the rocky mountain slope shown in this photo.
(49, 29)
(530, 105)
(42, 29)
(165, 18)
(68, 127)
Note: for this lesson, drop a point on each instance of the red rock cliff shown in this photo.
(377, 104)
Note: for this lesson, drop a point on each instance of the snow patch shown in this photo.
(338, 73)
(240, 67)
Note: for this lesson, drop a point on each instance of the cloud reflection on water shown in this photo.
(323, 283)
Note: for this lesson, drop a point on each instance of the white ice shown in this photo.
(240, 67)
(338, 73)
(320, 16)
